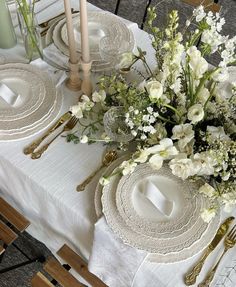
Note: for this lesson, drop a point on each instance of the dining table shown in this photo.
(44, 190)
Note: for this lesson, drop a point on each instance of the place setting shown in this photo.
(29, 101)
(108, 38)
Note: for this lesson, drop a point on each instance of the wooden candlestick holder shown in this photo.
(86, 87)
(74, 82)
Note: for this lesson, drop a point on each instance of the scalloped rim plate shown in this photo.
(163, 252)
(158, 226)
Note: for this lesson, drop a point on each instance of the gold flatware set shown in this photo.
(32, 148)
(109, 157)
(46, 24)
(229, 242)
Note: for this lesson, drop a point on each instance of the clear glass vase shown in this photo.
(29, 29)
(115, 125)
(32, 41)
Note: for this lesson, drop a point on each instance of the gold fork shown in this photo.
(229, 242)
(69, 126)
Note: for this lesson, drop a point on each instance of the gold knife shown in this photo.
(29, 149)
(191, 276)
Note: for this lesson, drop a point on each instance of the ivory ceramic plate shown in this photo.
(100, 24)
(27, 86)
(99, 187)
(40, 117)
(143, 217)
(42, 110)
(98, 64)
(165, 250)
(45, 122)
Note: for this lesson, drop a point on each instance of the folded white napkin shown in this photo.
(152, 193)
(8, 95)
(52, 54)
(111, 260)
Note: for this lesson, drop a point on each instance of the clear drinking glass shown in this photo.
(111, 49)
(115, 125)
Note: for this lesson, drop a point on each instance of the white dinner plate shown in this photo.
(44, 123)
(42, 111)
(143, 217)
(98, 64)
(100, 24)
(29, 89)
(39, 118)
(99, 187)
(164, 250)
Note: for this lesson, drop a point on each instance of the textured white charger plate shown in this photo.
(143, 217)
(100, 24)
(98, 65)
(41, 117)
(52, 115)
(14, 126)
(163, 250)
(29, 88)
(99, 187)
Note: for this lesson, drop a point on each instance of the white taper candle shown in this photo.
(84, 31)
(70, 32)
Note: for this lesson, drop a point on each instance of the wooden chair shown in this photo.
(12, 223)
(60, 273)
(208, 4)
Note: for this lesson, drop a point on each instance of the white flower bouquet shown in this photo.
(179, 112)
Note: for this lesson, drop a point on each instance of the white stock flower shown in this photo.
(155, 90)
(199, 13)
(183, 133)
(99, 96)
(77, 111)
(182, 166)
(197, 63)
(195, 113)
(163, 151)
(104, 180)
(212, 38)
(217, 133)
(229, 201)
(204, 163)
(142, 156)
(86, 103)
(126, 60)
(207, 190)
(208, 214)
(128, 166)
(84, 139)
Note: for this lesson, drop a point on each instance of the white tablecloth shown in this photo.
(44, 190)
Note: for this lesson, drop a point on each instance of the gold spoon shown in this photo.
(109, 157)
(46, 23)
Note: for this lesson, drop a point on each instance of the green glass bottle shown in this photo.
(7, 32)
